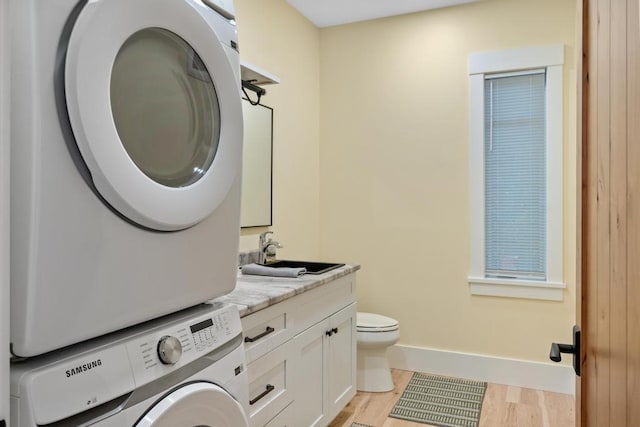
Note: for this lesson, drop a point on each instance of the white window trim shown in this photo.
(552, 59)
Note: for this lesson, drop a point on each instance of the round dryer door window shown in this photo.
(165, 107)
(196, 405)
(152, 90)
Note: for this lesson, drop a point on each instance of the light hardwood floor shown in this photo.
(503, 406)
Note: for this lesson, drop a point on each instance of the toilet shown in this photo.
(375, 334)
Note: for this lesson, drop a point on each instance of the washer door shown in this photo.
(154, 105)
(196, 405)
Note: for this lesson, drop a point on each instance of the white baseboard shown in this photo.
(479, 367)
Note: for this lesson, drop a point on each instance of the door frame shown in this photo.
(5, 61)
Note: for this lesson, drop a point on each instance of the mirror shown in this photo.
(257, 164)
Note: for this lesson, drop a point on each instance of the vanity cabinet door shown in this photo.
(342, 359)
(325, 368)
(310, 370)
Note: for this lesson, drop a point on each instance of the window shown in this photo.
(516, 172)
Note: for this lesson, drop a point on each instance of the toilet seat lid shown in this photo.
(375, 322)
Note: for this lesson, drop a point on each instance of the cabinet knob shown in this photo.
(329, 333)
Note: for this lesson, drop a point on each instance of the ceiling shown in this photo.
(325, 13)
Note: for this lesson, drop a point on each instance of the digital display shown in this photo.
(200, 326)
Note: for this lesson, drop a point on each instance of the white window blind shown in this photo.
(515, 175)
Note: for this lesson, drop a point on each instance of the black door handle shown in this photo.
(557, 349)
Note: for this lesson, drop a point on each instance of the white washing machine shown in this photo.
(185, 370)
(126, 159)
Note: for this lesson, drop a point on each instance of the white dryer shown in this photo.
(126, 164)
(185, 370)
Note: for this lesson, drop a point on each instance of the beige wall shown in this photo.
(276, 38)
(394, 174)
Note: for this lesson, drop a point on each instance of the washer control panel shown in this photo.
(210, 332)
(156, 354)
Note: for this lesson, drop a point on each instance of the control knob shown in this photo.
(169, 350)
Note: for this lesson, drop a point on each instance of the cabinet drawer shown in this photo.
(264, 331)
(269, 385)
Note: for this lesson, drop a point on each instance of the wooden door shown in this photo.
(609, 312)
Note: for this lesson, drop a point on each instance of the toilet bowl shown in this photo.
(375, 334)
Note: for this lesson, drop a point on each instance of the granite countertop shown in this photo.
(254, 293)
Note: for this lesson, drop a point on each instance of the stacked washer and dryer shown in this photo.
(126, 129)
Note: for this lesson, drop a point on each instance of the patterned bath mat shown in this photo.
(441, 401)
(360, 425)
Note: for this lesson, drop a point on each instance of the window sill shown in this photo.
(513, 288)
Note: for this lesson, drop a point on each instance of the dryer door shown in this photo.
(153, 99)
(196, 405)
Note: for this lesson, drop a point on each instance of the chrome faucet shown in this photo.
(267, 247)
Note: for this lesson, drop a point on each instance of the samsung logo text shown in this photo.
(83, 368)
